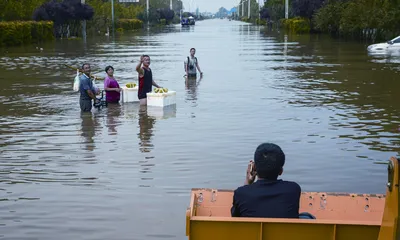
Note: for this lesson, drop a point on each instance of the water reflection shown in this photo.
(187, 29)
(353, 89)
(113, 117)
(88, 129)
(191, 85)
(146, 125)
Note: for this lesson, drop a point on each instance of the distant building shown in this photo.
(207, 14)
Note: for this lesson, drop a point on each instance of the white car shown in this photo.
(389, 46)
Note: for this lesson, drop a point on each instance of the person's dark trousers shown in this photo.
(86, 105)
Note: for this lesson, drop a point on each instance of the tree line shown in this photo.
(361, 19)
(67, 14)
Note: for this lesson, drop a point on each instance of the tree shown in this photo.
(166, 14)
(64, 14)
(264, 14)
(305, 8)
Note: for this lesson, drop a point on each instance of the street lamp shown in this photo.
(248, 14)
(286, 9)
(112, 16)
(147, 10)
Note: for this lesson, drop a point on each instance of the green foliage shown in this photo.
(254, 9)
(327, 18)
(19, 33)
(102, 19)
(120, 30)
(276, 9)
(296, 25)
(261, 22)
(129, 24)
(12, 10)
(245, 19)
(369, 19)
(176, 19)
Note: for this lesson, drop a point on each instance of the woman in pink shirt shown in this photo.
(111, 86)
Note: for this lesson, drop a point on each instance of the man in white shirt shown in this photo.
(191, 64)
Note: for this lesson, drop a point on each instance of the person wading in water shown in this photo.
(191, 64)
(146, 81)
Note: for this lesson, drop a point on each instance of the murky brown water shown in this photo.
(123, 173)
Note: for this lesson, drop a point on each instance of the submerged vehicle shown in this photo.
(389, 46)
(186, 21)
(339, 216)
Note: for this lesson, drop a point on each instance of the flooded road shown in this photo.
(125, 173)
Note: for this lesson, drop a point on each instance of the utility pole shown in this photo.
(83, 24)
(112, 16)
(243, 8)
(286, 9)
(248, 14)
(147, 10)
(170, 4)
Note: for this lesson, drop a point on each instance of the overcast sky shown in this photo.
(208, 5)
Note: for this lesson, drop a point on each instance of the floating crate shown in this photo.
(161, 99)
(129, 94)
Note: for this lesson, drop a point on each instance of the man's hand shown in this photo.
(250, 173)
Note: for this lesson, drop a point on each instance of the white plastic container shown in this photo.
(161, 99)
(162, 112)
(129, 94)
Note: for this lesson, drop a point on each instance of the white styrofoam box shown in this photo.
(129, 94)
(162, 112)
(161, 99)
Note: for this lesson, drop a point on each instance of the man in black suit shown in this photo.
(268, 197)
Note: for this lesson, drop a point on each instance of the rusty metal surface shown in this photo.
(324, 205)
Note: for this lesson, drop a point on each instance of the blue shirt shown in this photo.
(267, 199)
(85, 84)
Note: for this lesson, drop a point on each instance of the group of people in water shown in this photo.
(267, 197)
(112, 89)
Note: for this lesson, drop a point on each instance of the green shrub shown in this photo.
(129, 24)
(296, 25)
(25, 32)
(261, 22)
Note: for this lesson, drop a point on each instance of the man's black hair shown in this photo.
(269, 160)
(83, 65)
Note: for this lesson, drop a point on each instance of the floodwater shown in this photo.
(126, 173)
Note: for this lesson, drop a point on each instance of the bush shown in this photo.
(261, 22)
(25, 32)
(360, 19)
(296, 25)
(129, 24)
(245, 19)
